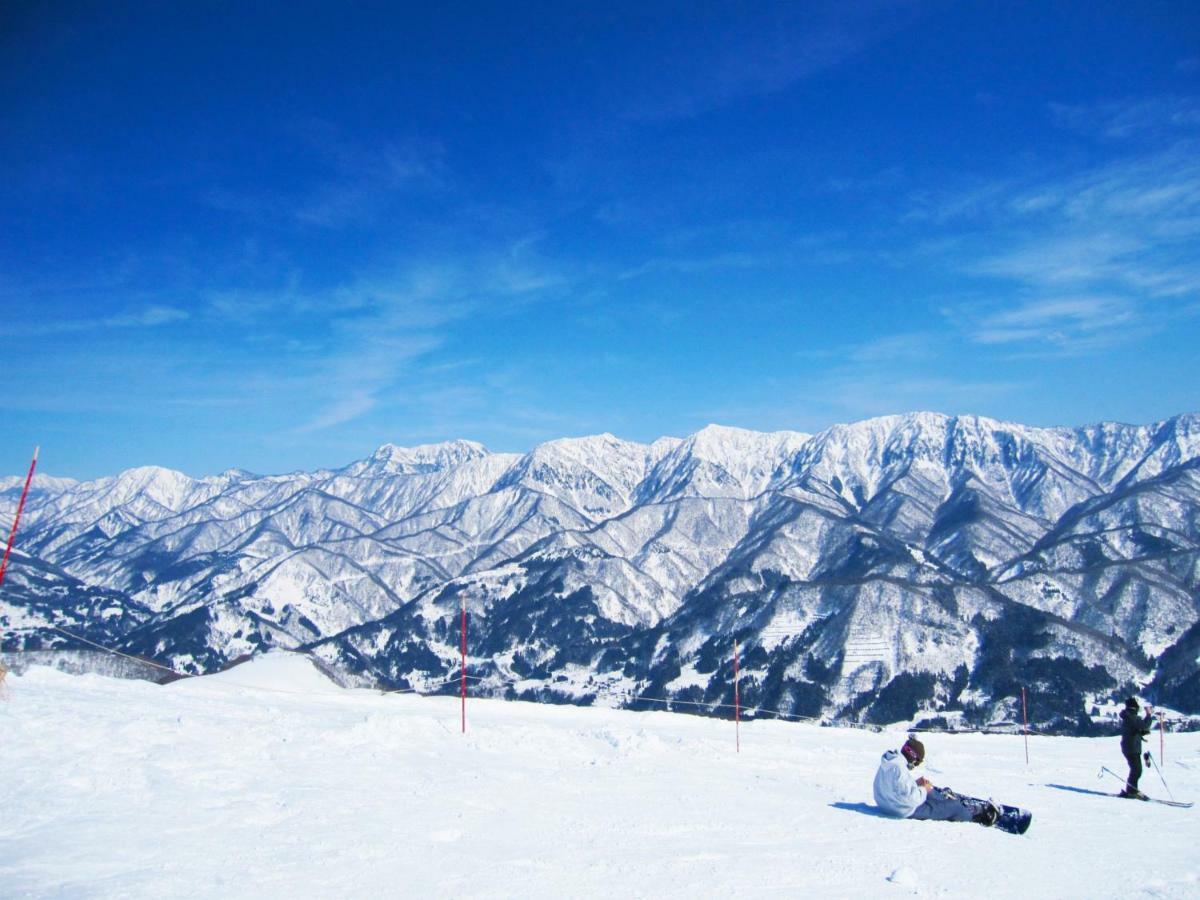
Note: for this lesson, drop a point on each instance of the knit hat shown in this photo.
(1131, 703)
(914, 751)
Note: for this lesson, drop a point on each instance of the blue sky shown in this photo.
(277, 237)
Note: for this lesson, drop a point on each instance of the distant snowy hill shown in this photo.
(873, 571)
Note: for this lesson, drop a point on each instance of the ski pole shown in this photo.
(1104, 769)
(1025, 725)
(1150, 757)
(737, 703)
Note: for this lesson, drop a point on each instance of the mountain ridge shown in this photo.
(903, 550)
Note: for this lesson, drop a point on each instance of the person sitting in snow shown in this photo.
(1133, 729)
(901, 794)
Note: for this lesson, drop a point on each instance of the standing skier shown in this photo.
(898, 793)
(1133, 729)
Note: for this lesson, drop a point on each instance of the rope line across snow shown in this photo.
(117, 652)
(495, 682)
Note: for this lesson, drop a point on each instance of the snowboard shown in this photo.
(1012, 819)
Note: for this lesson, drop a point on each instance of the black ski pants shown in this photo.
(1135, 768)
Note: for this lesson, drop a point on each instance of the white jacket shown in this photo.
(896, 790)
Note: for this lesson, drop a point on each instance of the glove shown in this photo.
(1146, 757)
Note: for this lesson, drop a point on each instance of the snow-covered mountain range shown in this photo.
(872, 571)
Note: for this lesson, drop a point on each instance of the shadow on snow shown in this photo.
(1079, 790)
(867, 809)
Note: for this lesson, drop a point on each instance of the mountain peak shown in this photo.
(165, 487)
(724, 443)
(390, 459)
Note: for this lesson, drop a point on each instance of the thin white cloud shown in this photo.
(1121, 120)
(1133, 225)
(1068, 322)
(1159, 187)
(147, 317)
(356, 403)
(773, 48)
(1078, 262)
(690, 266)
(1074, 259)
(354, 185)
(908, 347)
(981, 199)
(382, 328)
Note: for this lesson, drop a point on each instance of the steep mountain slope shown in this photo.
(874, 570)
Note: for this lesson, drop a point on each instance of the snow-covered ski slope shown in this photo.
(268, 781)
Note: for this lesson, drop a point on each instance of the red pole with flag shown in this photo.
(12, 535)
(737, 703)
(463, 691)
(1025, 724)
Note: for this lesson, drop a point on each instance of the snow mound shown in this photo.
(279, 670)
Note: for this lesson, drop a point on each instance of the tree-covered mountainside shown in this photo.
(885, 570)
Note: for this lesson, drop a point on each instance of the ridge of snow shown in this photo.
(278, 670)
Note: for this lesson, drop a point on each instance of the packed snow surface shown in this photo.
(267, 781)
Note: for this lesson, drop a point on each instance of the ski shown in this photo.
(1180, 804)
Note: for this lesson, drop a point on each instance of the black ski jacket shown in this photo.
(1133, 729)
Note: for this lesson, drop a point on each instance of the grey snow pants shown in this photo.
(943, 805)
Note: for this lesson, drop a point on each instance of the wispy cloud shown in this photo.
(894, 348)
(973, 201)
(381, 328)
(362, 180)
(357, 403)
(1079, 261)
(1125, 119)
(762, 52)
(352, 183)
(1057, 264)
(291, 356)
(147, 317)
(1075, 323)
(1073, 259)
(1134, 225)
(890, 178)
(693, 265)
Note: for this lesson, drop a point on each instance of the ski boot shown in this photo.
(987, 815)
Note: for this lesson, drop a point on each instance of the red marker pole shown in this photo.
(12, 535)
(737, 703)
(1025, 722)
(1161, 740)
(463, 629)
